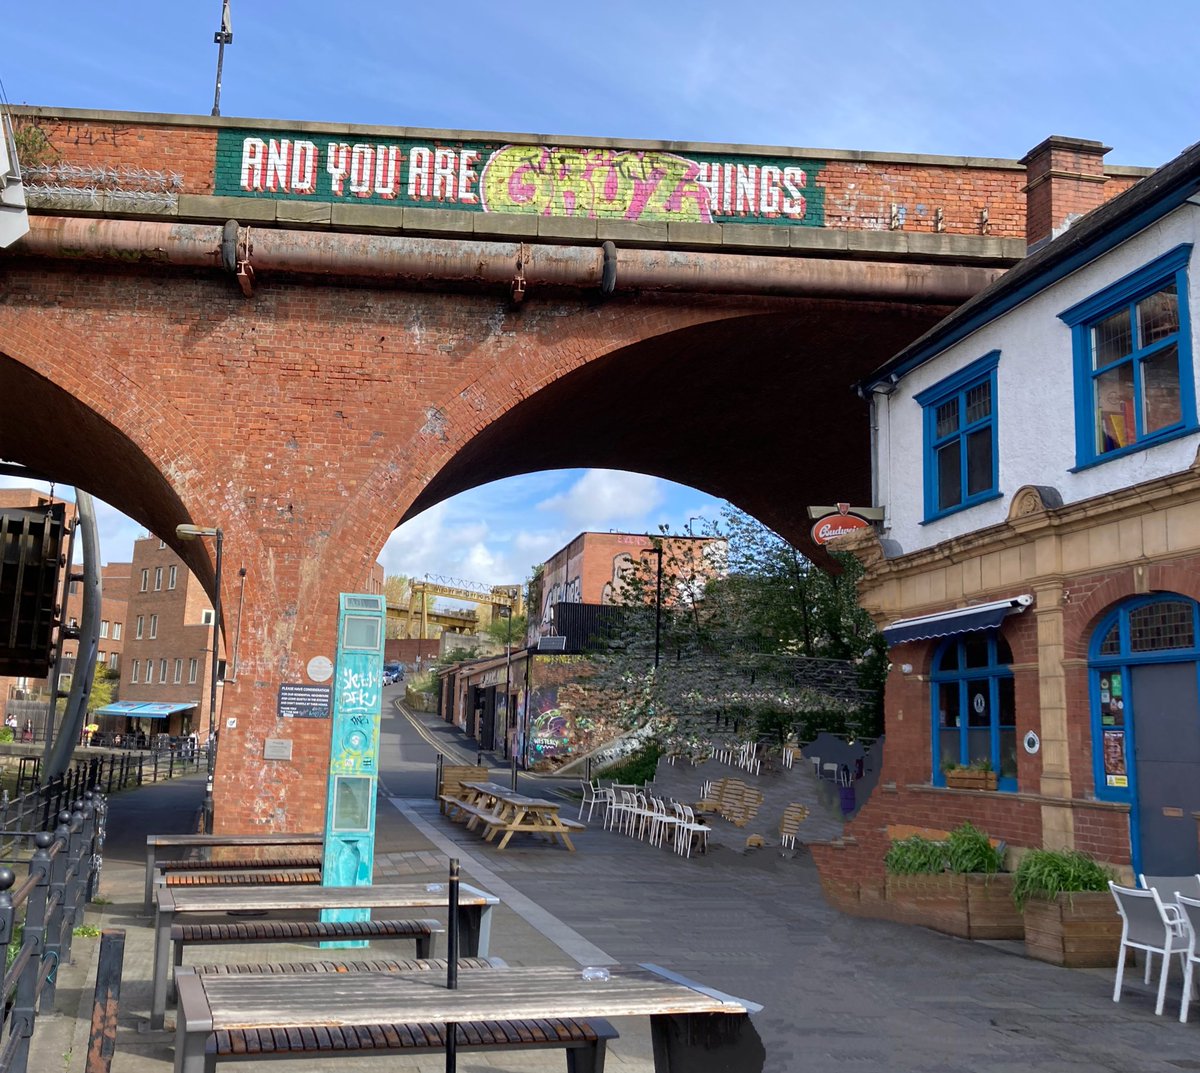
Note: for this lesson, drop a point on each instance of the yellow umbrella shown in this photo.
(93, 727)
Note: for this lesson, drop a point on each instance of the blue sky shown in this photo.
(944, 77)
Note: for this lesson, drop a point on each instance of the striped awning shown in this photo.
(143, 709)
(960, 620)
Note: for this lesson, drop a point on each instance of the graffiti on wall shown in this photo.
(592, 183)
(561, 592)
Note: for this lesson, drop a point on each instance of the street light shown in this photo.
(509, 713)
(195, 532)
(657, 549)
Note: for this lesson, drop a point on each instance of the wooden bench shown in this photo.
(208, 844)
(285, 968)
(732, 800)
(251, 878)
(298, 931)
(453, 777)
(585, 1042)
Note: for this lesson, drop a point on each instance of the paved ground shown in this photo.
(838, 993)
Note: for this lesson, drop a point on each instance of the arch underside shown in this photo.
(757, 410)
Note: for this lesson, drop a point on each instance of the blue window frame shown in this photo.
(974, 707)
(1132, 344)
(961, 457)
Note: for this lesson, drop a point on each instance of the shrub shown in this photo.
(968, 850)
(7, 734)
(637, 768)
(916, 856)
(1047, 873)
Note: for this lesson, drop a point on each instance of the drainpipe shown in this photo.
(246, 252)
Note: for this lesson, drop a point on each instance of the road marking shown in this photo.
(566, 938)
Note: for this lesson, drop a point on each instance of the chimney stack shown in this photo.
(1064, 179)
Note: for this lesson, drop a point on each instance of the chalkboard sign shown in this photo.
(298, 701)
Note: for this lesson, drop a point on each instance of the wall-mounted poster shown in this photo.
(1115, 773)
(1112, 703)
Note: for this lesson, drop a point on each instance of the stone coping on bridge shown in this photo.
(239, 122)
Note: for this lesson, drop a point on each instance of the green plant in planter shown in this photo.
(969, 850)
(916, 856)
(1047, 873)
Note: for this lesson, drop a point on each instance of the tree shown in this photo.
(750, 637)
(502, 630)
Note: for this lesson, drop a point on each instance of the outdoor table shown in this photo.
(501, 809)
(688, 1021)
(176, 904)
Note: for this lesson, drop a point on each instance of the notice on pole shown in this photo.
(297, 701)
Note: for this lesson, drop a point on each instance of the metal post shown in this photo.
(212, 695)
(452, 965)
(223, 37)
(658, 550)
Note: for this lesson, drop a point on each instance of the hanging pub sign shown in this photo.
(836, 521)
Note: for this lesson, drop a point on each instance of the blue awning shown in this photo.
(961, 620)
(142, 709)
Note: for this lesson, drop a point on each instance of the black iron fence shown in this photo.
(33, 806)
(38, 917)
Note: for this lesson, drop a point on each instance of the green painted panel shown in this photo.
(641, 185)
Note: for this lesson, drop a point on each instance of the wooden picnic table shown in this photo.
(176, 904)
(688, 1021)
(500, 809)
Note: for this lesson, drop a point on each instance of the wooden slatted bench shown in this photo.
(221, 844)
(471, 813)
(585, 1042)
(252, 878)
(285, 968)
(184, 864)
(293, 931)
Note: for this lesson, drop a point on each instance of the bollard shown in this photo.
(437, 779)
(452, 965)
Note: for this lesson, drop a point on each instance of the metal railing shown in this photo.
(34, 809)
(38, 917)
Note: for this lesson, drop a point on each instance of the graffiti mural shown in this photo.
(592, 183)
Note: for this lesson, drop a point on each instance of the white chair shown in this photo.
(1189, 908)
(618, 810)
(1168, 887)
(594, 794)
(661, 822)
(687, 830)
(1149, 925)
(641, 816)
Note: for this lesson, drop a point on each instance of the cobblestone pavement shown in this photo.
(838, 993)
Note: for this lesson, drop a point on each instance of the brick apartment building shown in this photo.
(166, 661)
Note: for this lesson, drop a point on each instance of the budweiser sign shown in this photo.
(838, 522)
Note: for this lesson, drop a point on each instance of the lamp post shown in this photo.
(195, 532)
(657, 549)
(223, 37)
(509, 715)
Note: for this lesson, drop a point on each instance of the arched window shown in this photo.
(974, 712)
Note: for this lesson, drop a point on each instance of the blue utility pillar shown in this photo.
(354, 752)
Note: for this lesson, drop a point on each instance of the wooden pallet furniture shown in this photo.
(453, 777)
(180, 905)
(732, 800)
(793, 816)
(217, 847)
(692, 1026)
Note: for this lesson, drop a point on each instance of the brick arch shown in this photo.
(718, 396)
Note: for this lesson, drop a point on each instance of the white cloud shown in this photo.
(606, 499)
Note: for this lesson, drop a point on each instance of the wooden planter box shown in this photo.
(969, 906)
(1076, 930)
(966, 779)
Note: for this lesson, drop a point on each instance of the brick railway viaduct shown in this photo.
(305, 334)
